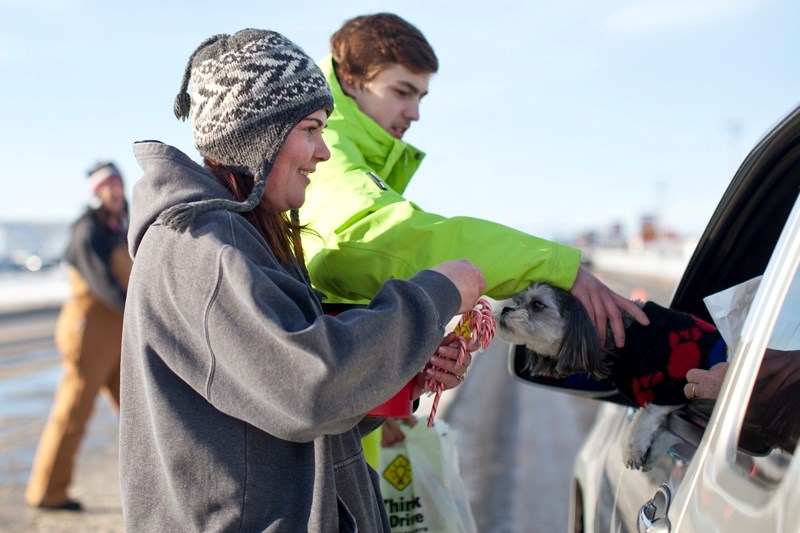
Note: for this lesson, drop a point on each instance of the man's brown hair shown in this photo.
(366, 44)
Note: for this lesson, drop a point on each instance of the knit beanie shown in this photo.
(248, 91)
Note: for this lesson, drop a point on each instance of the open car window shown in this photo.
(736, 246)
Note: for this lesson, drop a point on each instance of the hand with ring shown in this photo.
(443, 365)
(705, 383)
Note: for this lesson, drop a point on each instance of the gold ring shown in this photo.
(694, 391)
(460, 378)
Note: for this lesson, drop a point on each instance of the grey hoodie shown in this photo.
(241, 402)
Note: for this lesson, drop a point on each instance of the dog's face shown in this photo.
(554, 326)
(534, 318)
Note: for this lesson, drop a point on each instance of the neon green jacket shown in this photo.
(366, 232)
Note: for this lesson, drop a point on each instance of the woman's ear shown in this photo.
(580, 350)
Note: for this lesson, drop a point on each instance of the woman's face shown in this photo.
(112, 195)
(303, 149)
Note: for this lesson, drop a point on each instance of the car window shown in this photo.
(772, 419)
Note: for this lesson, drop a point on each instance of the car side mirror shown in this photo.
(579, 385)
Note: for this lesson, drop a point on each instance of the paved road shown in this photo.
(516, 442)
(29, 371)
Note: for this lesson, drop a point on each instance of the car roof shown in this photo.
(742, 233)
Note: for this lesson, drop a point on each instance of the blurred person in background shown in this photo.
(88, 335)
(367, 231)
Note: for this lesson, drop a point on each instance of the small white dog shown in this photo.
(649, 371)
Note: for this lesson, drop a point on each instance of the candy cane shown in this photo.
(478, 322)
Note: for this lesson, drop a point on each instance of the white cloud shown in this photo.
(660, 15)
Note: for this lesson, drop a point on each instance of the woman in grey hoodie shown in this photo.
(242, 404)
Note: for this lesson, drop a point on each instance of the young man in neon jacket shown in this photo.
(365, 231)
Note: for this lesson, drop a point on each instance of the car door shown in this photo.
(744, 476)
(711, 470)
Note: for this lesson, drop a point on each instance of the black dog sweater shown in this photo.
(652, 366)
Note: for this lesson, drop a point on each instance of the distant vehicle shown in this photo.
(718, 465)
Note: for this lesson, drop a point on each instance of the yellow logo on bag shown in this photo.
(398, 473)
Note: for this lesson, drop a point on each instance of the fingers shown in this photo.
(446, 358)
(705, 383)
(605, 307)
(598, 311)
(447, 379)
(615, 305)
(690, 391)
(718, 371)
(587, 290)
(603, 316)
(695, 375)
(445, 368)
(391, 432)
(632, 308)
(472, 344)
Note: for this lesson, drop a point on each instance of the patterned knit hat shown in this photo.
(248, 91)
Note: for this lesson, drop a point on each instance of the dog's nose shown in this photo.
(506, 310)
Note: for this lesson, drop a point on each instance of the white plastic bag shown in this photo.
(729, 309)
(421, 482)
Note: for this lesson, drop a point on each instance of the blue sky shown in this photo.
(553, 117)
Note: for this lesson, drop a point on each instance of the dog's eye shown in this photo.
(536, 305)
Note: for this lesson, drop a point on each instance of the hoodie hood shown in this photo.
(170, 178)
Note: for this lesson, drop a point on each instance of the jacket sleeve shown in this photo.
(249, 336)
(368, 233)
(298, 376)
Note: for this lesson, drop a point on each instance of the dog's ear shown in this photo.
(580, 350)
(539, 365)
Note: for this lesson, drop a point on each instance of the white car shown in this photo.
(726, 465)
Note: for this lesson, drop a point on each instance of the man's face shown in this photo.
(392, 97)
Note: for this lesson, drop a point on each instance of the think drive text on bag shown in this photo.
(421, 483)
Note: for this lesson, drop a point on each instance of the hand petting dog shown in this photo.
(604, 306)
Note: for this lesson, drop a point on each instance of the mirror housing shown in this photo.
(579, 385)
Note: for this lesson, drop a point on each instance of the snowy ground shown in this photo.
(20, 291)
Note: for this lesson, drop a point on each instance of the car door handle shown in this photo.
(653, 514)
